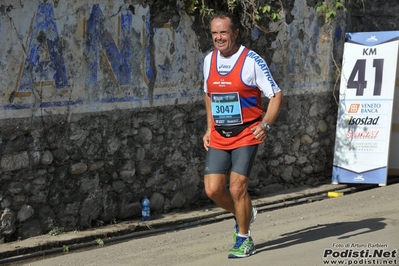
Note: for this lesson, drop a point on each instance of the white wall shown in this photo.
(86, 56)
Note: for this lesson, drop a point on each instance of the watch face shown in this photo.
(266, 125)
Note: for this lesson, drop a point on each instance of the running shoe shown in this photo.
(253, 218)
(243, 247)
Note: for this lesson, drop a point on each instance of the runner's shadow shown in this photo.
(340, 230)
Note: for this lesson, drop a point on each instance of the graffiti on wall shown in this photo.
(95, 58)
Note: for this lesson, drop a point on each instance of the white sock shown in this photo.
(243, 235)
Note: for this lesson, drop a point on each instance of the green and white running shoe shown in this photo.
(253, 218)
(243, 247)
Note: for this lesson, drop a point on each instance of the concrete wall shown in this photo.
(101, 104)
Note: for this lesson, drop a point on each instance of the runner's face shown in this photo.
(224, 39)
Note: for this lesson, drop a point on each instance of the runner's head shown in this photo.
(224, 31)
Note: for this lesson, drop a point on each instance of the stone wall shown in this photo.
(92, 169)
(95, 168)
(102, 104)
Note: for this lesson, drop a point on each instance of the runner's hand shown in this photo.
(259, 132)
(206, 139)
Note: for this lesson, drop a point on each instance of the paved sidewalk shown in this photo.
(47, 244)
(358, 228)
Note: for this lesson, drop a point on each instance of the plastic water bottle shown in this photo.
(145, 209)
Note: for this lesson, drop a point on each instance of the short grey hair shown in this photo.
(234, 23)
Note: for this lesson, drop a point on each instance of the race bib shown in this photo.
(226, 109)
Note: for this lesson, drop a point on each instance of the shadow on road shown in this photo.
(342, 230)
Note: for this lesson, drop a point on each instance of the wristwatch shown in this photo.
(266, 125)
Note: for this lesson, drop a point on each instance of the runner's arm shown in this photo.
(274, 107)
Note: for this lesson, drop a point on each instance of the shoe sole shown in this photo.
(232, 256)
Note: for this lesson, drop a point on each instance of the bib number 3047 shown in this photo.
(226, 108)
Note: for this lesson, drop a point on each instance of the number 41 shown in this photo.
(360, 70)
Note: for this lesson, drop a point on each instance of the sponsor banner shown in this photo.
(362, 108)
(366, 97)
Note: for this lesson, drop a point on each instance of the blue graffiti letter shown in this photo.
(119, 61)
(44, 37)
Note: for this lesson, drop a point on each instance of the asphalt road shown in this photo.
(359, 228)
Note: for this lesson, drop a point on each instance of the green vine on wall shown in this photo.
(252, 11)
(329, 10)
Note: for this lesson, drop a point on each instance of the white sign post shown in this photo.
(368, 76)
